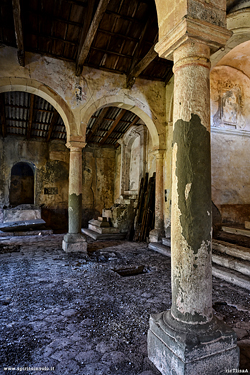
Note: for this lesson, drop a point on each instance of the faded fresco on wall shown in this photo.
(229, 112)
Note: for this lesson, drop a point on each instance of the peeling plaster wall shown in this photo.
(117, 174)
(230, 146)
(50, 163)
(98, 181)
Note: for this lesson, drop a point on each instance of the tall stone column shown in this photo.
(74, 241)
(187, 339)
(158, 232)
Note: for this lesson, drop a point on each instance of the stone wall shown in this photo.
(50, 164)
(99, 166)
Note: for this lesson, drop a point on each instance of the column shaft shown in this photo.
(191, 186)
(159, 193)
(75, 190)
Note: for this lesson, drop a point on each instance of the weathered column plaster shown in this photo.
(157, 233)
(182, 340)
(191, 189)
(74, 240)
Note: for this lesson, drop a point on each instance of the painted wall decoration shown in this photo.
(229, 112)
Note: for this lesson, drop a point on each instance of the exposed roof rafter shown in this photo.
(97, 123)
(52, 124)
(18, 31)
(113, 126)
(32, 97)
(85, 46)
(136, 71)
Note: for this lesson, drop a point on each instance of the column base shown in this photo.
(156, 235)
(73, 243)
(177, 348)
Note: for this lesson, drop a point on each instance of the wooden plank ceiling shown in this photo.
(30, 116)
(117, 36)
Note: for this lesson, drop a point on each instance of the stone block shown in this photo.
(21, 213)
(21, 225)
(247, 224)
(177, 348)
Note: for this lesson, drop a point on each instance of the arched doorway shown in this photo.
(21, 184)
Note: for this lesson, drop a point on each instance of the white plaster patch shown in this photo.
(187, 190)
(208, 213)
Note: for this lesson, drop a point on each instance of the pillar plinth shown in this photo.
(74, 241)
(188, 339)
(157, 233)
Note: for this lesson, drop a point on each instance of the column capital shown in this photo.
(76, 143)
(190, 29)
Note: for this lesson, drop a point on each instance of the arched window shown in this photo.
(21, 184)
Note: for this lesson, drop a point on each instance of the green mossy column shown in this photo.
(191, 186)
(74, 241)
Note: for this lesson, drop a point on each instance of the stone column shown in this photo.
(158, 232)
(187, 339)
(74, 241)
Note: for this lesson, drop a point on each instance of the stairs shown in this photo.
(231, 262)
(101, 230)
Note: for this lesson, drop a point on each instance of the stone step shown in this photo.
(105, 236)
(99, 223)
(225, 267)
(227, 261)
(231, 249)
(103, 230)
(160, 248)
(240, 231)
(231, 276)
(166, 241)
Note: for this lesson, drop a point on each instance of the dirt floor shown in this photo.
(72, 314)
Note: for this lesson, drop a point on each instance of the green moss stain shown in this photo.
(75, 213)
(193, 165)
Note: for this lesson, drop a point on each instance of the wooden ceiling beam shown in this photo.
(3, 117)
(32, 97)
(84, 48)
(136, 71)
(113, 126)
(18, 31)
(52, 124)
(97, 123)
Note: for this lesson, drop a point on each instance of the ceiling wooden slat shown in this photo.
(32, 98)
(113, 126)
(18, 31)
(97, 123)
(84, 49)
(52, 124)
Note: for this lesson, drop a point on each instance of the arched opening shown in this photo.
(21, 185)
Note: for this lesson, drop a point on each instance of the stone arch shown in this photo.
(37, 88)
(130, 105)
